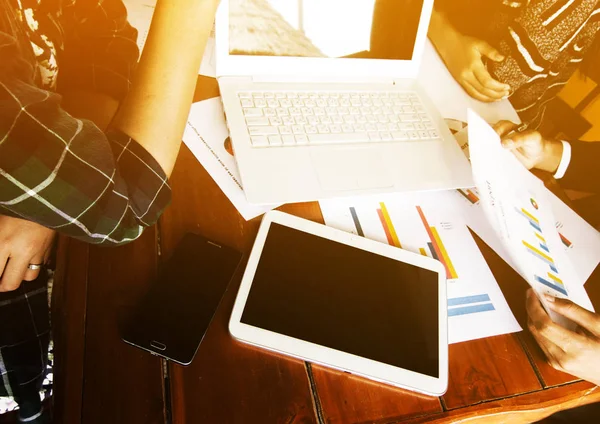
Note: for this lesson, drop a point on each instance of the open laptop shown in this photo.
(314, 108)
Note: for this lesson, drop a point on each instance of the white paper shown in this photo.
(206, 136)
(476, 305)
(520, 213)
(139, 15)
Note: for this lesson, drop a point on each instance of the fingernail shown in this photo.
(549, 298)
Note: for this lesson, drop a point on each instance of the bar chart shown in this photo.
(546, 270)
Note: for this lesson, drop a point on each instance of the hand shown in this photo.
(463, 56)
(21, 243)
(530, 147)
(577, 353)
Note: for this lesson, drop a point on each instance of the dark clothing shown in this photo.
(56, 170)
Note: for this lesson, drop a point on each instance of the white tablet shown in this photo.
(343, 301)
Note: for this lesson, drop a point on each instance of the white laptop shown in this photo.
(313, 113)
(347, 302)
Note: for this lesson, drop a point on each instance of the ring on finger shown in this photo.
(34, 267)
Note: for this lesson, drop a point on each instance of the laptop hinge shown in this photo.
(320, 79)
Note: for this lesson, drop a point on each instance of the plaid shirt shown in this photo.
(56, 170)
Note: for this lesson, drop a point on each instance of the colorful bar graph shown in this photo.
(388, 226)
(469, 195)
(538, 252)
(438, 247)
(465, 310)
(359, 229)
(547, 283)
(565, 241)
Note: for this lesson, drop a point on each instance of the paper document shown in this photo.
(421, 224)
(520, 214)
(139, 15)
(207, 137)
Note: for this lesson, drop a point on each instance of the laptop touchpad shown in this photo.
(350, 168)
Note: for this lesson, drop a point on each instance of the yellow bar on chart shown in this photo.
(530, 216)
(446, 258)
(388, 221)
(542, 239)
(556, 279)
(538, 251)
(423, 252)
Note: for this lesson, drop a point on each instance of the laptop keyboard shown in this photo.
(299, 118)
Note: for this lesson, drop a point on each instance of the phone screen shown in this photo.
(172, 318)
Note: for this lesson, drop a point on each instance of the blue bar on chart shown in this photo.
(465, 310)
(470, 305)
(547, 283)
(468, 299)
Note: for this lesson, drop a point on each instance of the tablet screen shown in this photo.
(324, 292)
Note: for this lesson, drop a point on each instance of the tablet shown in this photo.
(344, 301)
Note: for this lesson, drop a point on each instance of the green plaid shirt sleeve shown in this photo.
(66, 174)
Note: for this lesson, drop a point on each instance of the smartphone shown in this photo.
(172, 318)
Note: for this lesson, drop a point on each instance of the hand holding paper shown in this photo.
(520, 212)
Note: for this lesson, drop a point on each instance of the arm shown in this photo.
(464, 54)
(101, 57)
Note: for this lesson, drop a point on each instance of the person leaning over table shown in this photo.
(525, 50)
(87, 142)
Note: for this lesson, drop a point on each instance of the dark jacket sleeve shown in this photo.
(583, 172)
(100, 51)
(65, 173)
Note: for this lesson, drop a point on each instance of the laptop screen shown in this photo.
(371, 29)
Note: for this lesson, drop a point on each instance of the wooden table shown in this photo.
(100, 379)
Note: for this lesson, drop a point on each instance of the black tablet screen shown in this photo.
(334, 295)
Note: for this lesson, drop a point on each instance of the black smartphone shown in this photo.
(172, 318)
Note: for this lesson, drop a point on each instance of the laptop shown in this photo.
(316, 108)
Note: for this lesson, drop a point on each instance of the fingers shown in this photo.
(552, 351)
(32, 274)
(488, 51)
(471, 89)
(13, 275)
(489, 86)
(580, 316)
(548, 331)
(503, 127)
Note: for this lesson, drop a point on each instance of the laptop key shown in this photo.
(338, 138)
(252, 111)
(266, 130)
(259, 141)
(288, 140)
(301, 139)
(275, 140)
(247, 103)
(400, 135)
(258, 120)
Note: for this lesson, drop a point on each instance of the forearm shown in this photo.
(154, 112)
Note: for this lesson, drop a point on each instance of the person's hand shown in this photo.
(464, 58)
(530, 147)
(21, 243)
(577, 353)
